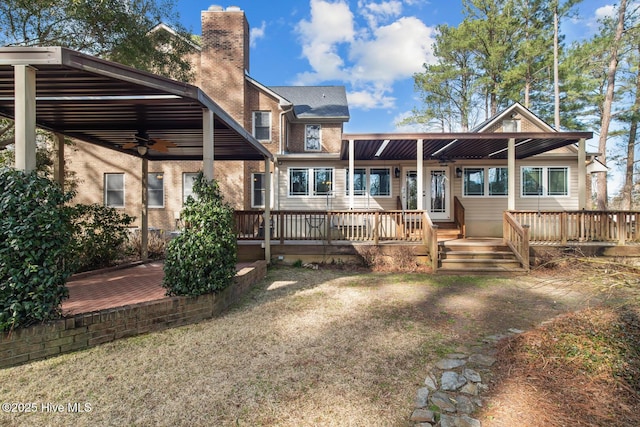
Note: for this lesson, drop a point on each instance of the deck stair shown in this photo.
(448, 231)
(476, 255)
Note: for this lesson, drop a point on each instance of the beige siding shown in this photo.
(339, 200)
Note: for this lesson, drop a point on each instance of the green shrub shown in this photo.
(35, 245)
(202, 259)
(100, 236)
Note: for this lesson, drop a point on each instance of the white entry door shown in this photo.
(438, 200)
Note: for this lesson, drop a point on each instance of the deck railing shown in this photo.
(360, 225)
(516, 236)
(619, 227)
(458, 216)
(330, 226)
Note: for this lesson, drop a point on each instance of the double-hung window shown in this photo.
(310, 181)
(258, 190)
(188, 178)
(545, 181)
(372, 181)
(114, 190)
(262, 125)
(481, 181)
(313, 138)
(155, 189)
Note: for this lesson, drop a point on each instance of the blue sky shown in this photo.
(371, 47)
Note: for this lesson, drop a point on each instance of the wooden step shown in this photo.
(477, 255)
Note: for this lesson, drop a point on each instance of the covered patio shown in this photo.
(111, 105)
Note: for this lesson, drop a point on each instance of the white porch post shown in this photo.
(351, 172)
(582, 174)
(144, 226)
(420, 173)
(25, 117)
(511, 172)
(58, 160)
(267, 210)
(207, 143)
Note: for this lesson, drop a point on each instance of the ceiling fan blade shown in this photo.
(161, 145)
(129, 145)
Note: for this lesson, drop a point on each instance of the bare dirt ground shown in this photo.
(308, 347)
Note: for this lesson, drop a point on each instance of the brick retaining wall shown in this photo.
(86, 330)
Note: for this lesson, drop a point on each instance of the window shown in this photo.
(359, 181)
(188, 178)
(545, 181)
(486, 181)
(310, 181)
(114, 190)
(155, 189)
(298, 182)
(312, 137)
(262, 125)
(510, 125)
(257, 190)
(377, 181)
(474, 182)
(380, 182)
(498, 181)
(531, 181)
(557, 182)
(323, 181)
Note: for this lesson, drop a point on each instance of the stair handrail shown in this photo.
(458, 216)
(430, 236)
(516, 237)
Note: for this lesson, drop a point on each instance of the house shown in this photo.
(303, 128)
(318, 184)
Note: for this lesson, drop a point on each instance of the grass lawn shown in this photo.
(306, 347)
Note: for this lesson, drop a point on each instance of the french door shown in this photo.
(436, 198)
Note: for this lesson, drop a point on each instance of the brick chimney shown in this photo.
(225, 58)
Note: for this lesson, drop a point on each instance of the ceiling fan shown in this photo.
(143, 144)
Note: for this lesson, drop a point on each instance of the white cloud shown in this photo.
(257, 34)
(376, 12)
(369, 99)
(331, 24)
(370, 58)
(396, 51)
(607, 11)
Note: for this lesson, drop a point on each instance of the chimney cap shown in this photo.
(215, 8)
(234, 9)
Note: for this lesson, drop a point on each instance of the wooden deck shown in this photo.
(327, 236)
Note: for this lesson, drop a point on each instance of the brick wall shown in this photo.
(225, 57)
(331, 134)
(90, 329)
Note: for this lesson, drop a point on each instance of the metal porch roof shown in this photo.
(107, 104)
(452, 146)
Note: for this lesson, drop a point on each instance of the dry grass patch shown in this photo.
(307, 347)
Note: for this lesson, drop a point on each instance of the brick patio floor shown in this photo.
(117, 288)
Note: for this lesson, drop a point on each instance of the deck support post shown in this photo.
(582, 174)
(25, 117)
(511, 171)
(58, 159)
(420, 173)
(207, 143)
(267, 210)
(351, 173)
(144, 226)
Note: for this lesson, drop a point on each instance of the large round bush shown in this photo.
(35, 243)
(202, 259)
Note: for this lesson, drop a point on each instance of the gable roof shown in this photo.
(316, 102)
(515, 108)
